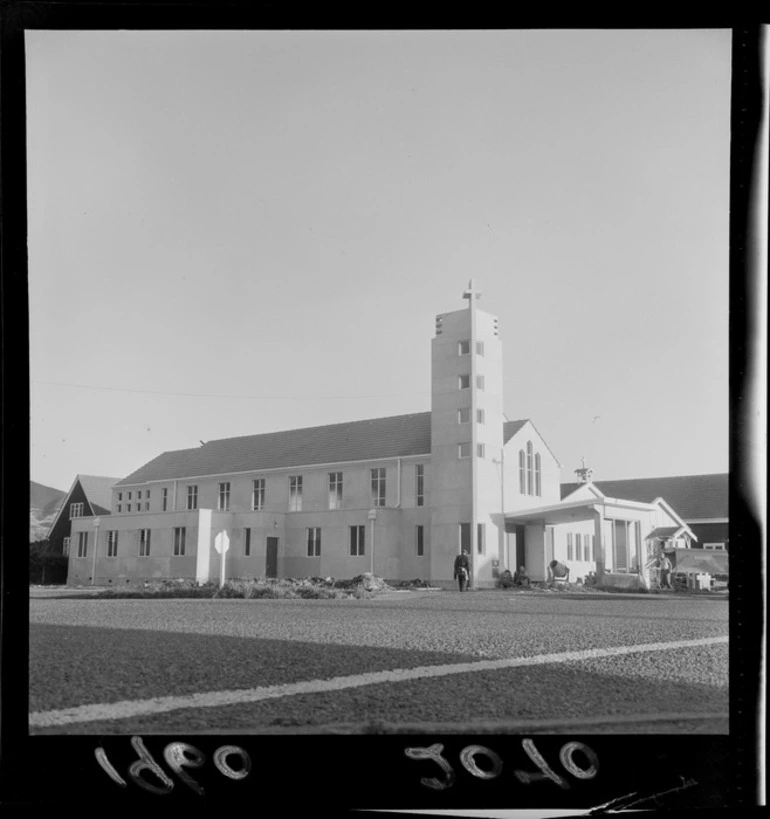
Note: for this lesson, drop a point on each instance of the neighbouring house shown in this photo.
(700, 500)
(89, 496)
(399, 496)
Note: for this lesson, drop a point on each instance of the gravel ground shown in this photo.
(88, 651)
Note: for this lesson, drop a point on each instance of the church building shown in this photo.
(399, 496)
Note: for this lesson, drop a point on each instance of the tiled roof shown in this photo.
(691, 496)
(510, 428)
(98, 491)
(394, 437)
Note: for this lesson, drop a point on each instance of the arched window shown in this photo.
(522, 471)
(529, 467)
(537, 475)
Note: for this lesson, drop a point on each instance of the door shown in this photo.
(271, 560)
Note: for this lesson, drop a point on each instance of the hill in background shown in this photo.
(44, 503)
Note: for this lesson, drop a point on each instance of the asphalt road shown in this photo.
(167, 661)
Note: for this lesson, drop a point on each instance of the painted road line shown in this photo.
(213, 699)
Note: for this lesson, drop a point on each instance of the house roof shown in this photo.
(693, 496)
(398, 436)
(393, 437)
(510, 428)
(98, 491)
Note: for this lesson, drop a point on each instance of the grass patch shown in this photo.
(363, 587)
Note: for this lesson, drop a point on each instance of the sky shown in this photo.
(240, 232)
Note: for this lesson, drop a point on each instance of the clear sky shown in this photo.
(241, 232)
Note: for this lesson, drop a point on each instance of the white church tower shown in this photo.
(466, 441)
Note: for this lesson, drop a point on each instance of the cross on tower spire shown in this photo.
(471, 293)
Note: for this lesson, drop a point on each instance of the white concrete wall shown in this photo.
(550, 472)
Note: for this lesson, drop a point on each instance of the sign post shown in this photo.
(372, 517)
(222, 544)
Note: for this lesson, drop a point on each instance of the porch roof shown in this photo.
(570, 511)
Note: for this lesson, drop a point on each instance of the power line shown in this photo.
(222, 395)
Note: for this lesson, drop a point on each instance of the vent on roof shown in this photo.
(496, 326)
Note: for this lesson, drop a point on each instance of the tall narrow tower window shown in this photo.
(464, 450)
(538, 486)
(420, 481)
(522, 473)
(529, 467)
(464, 382)
(464, 348)
(464, 415)
(480, 348)
(480, 382)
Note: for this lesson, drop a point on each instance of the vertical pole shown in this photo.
(371, 556)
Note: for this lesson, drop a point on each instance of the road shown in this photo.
(417, 661)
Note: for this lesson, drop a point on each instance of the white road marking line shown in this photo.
(213, 699)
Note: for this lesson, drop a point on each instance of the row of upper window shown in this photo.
(580, 547)
(357, 541)
(378, 481)
(530, 482)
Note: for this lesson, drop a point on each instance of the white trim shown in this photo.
(515, 434)
(393, 459)
(63, 505)
(705, 520)
(663, 505)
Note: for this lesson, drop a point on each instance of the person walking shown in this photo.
(462, 569)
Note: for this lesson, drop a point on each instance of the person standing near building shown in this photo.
(462, 569)
(664, 564)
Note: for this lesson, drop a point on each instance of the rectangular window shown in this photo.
(246, 542)
(420, 479)
(480, 348)
(82, 544)
(224, 497)
(180, 537)
(164, 499)
(714, 547)
(76, 510)
(192, 497)
(139, 497)
(144, 543)
(258, 494)
(480, 450)
(295, 493)
(378, 486)
(480, 538)
(128, 507)
(480, 416)
(314, 542)
(569, 545)
(335, 490)
(620, 542)
(120, 508)
(578, 546)
(464, 347)
(130, 495)
(465, 537)
(420, 534)
(464, 450)
(589, 547)
(112, 543)
(66, 547)
(480, 382)
(464, 415)
(357, 540)
(147, 501)
(464, 382)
